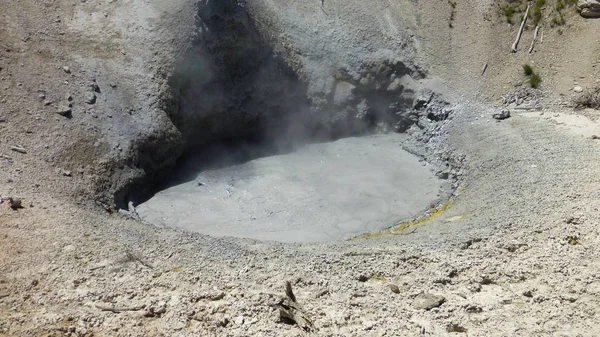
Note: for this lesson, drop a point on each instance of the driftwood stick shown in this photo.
(3, 296)
(118, 309)
(18, 149)
(133, 257)
(484, 69)
(291, 311)
(535, 34)
(516, 43)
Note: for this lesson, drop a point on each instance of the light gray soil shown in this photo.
(516, 254)
(321, 192)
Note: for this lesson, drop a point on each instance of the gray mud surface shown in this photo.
(321, 192)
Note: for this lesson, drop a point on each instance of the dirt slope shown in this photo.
(564, 55)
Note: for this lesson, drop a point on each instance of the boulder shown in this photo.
(589, 8)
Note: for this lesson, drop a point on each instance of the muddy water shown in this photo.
(320, 192)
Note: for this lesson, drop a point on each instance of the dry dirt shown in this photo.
(514, 254)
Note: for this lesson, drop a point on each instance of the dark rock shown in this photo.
(504, 114)
(95, 86)
(15, 203)
(443, 175)
(66, 112)
(223, 322)
(589, 8)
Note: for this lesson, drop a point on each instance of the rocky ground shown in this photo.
(518, 245)
(515, 252)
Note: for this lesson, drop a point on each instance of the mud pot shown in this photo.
(320, 192)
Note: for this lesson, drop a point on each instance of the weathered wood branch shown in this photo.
(118, 309)
(134, 257)
(516, 43)
(535, 35)
(483, 69)
(18, 149)
(291, 311)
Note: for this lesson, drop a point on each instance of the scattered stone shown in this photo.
(66, 112)
(223, 322)
(18, 149)
(363, 278)
(67, 69)
(113, 85)
(217, 297)
(573, 240)
(426, 301)
(41, 96)
(574, 220)
(90, 98)
(594, 137)
(578, 89)
(456, 328)
(474, 309)
(66, 173)
(504, 114)
(322, 293)
(95, 86)
(368, 325)
(69, 97)
(15, 203)
(394, 288)
(239, 320)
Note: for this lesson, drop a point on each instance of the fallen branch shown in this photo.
(483, 69)
(535, 34)
(291, 311)
(3, 156)
(133, 257)
(118, 309)
(3, 296)
(18, 149)
(516, 43)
